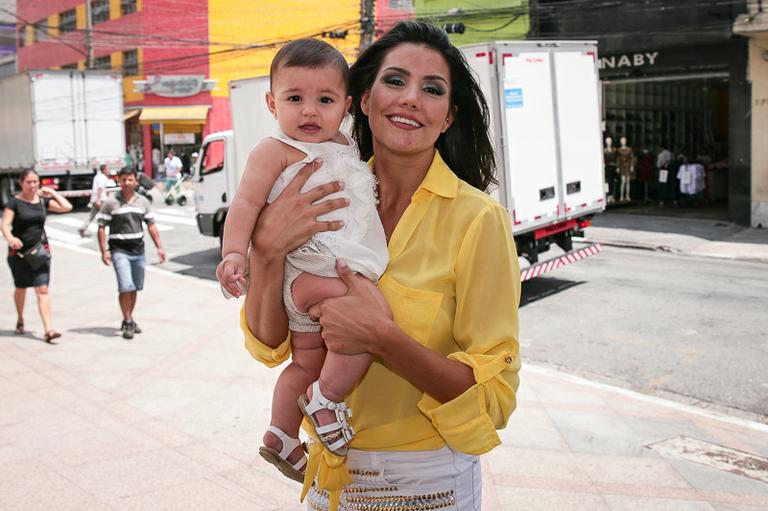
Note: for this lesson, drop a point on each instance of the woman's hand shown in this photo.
(15, 243)
(45, 191)
(353, 323)
(292, 218)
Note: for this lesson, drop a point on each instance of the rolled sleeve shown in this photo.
(486, 330)
(268, 356)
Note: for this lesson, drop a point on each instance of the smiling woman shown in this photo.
(445, 360)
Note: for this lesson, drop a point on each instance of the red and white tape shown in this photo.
(558, 262)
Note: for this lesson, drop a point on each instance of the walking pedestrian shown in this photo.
(172, 166)
(23, 227)
(101, 181)
(125, 213)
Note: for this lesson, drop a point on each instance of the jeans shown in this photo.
(129, 269)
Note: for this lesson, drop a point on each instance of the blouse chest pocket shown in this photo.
(414, 310)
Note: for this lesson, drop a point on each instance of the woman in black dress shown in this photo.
(23, 226)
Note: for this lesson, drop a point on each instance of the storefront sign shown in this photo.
(178, 138)
(628, 60)
(174, 86)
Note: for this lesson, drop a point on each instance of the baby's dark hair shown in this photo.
(311, 53)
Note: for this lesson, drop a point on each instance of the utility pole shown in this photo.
(88, 34)
(367, 25)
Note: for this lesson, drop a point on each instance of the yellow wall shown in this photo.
(247, 22)
(114, 9)
(53, 25)
(80, 18)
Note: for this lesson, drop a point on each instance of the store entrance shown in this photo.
(688, 117)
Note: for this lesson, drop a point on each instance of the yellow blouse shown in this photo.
(453, 284)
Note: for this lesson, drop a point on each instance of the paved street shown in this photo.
(689, 328)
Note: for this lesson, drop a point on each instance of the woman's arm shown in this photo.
(58, 203)
(358, 323)
(281, 227)
(13, 242)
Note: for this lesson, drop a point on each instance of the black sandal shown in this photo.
(19, 328)
(50, 336)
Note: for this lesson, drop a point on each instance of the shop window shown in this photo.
(99, 11)
(127, 6)
(67, 21)
(131, 63)
(213, 157)
(102, 62)
(22, 36)
(41, 30)
(70, 66)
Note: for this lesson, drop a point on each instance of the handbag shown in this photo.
(36, 256)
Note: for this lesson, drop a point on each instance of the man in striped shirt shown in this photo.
(126, 213)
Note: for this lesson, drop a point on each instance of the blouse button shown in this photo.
(508, 360)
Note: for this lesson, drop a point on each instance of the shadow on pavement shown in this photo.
(104, 331)
(542, 287)
(201, 264)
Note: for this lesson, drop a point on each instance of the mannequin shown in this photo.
(609, 158)
(626, 169)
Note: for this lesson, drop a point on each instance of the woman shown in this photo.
(23, 226)
(446, 355)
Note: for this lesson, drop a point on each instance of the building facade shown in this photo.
(754, 27)
(8, 22)
(177, 58)
(673, 74)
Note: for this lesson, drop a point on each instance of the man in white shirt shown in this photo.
(101, 181)
(172, 166)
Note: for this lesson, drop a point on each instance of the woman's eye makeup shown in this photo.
(433, 88)
(395, 80)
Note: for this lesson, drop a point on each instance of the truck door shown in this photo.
(580, 132)
(211, 185)
(530, 151)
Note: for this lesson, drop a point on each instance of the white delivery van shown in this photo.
(223, 155)
(545, 122)
(546, 125)
(62, 124)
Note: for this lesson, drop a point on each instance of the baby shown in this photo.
(308, 97)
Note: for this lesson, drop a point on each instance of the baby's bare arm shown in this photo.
(265, 163)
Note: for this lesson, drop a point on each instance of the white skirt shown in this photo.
(407, 480)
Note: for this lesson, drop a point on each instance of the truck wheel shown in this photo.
(5, 191)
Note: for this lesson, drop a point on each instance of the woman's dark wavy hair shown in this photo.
(466, 146)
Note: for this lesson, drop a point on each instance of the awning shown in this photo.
(175, 114)
(131, 113)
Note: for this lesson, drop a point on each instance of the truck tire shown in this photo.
(6, 191)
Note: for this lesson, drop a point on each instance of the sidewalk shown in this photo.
(706, 238)
(173, 419)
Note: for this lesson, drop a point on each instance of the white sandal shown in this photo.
(336, 435)
(280, 459)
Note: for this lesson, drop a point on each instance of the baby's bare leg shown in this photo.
(307, 354)
(340, 373)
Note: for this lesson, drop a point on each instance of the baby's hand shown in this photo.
(231, 274)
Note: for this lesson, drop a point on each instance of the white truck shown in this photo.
(546, 130)
(62, 124)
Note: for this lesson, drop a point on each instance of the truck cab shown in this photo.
(212, 176)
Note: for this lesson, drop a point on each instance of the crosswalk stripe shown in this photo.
(174, 219)
(74, 222)
(184, 212)
(60, 235)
